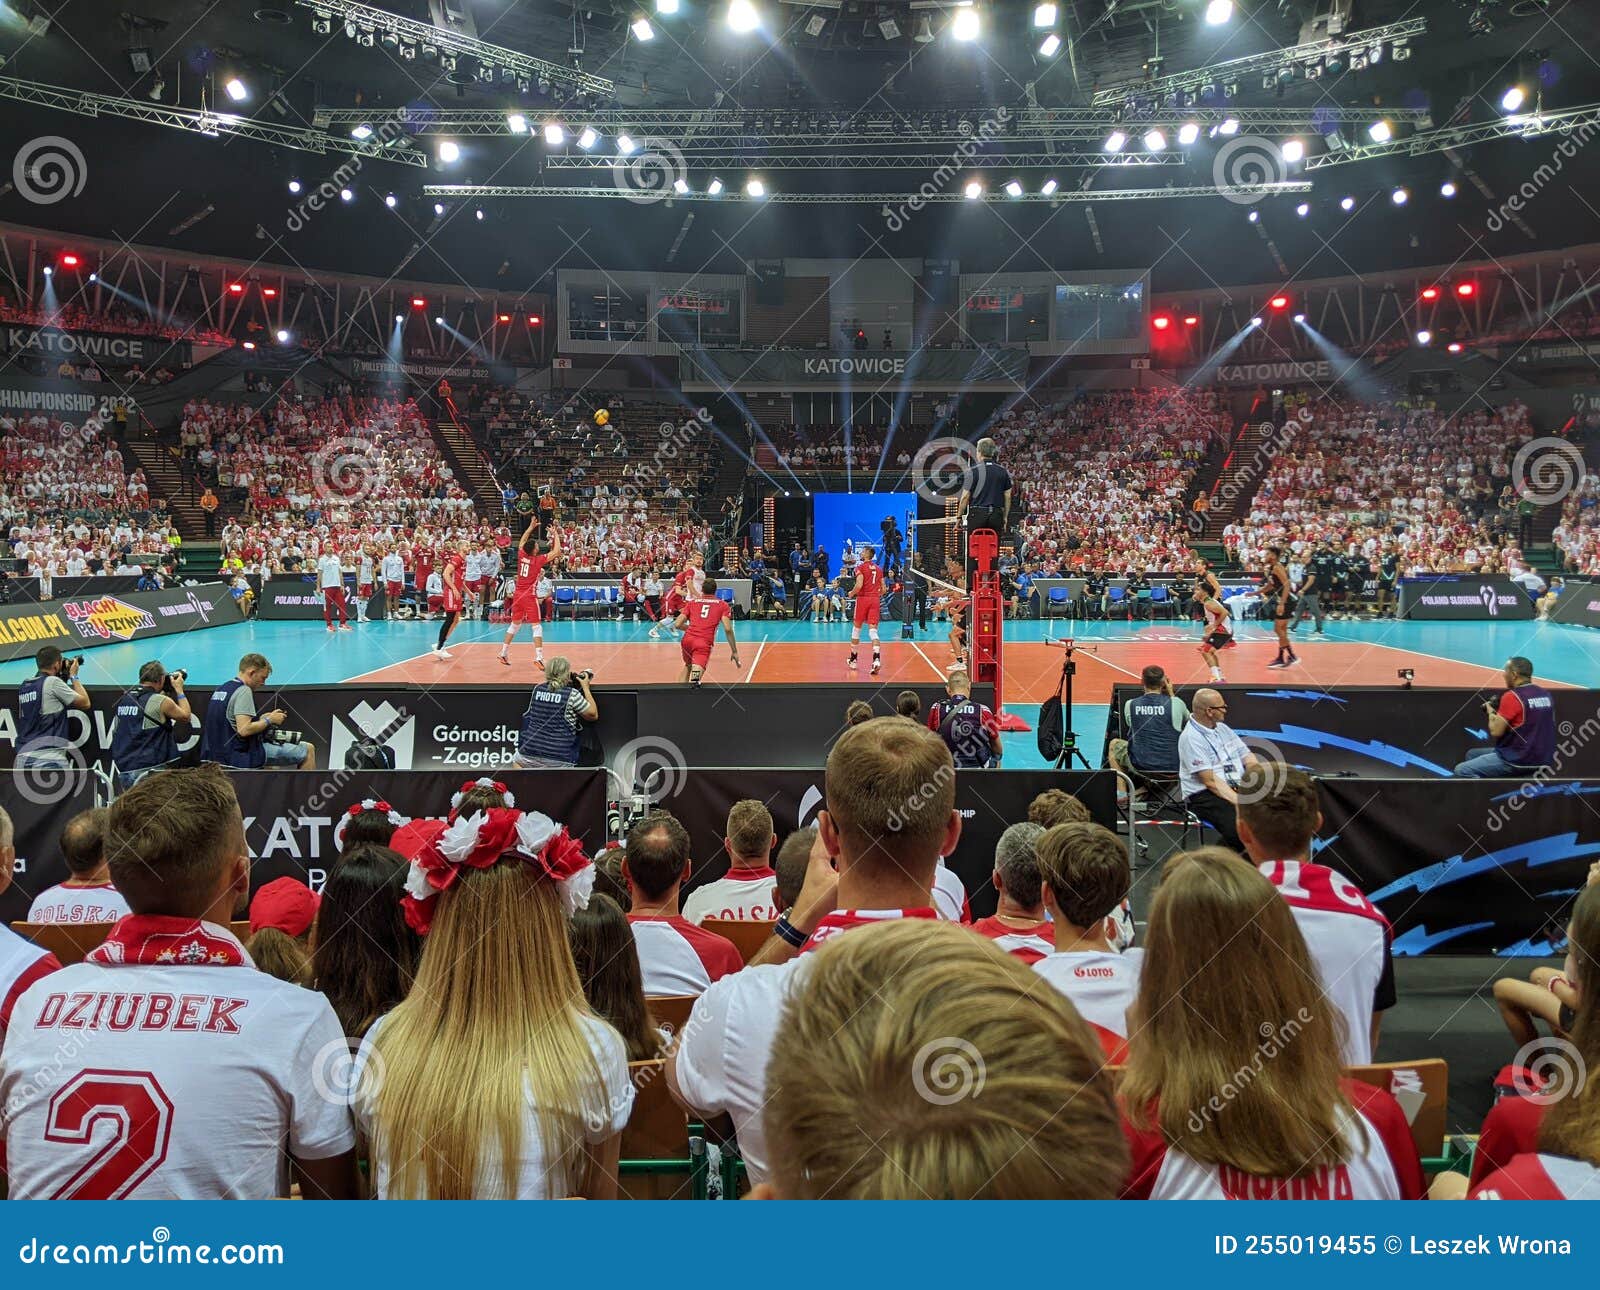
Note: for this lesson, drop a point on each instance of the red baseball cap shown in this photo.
(285, 903)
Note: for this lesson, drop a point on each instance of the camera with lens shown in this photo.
(180, 673)
(71, 665)
(585, 675)
(278, 735)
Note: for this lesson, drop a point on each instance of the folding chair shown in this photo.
(1423, 1090)
(1058, 602)
(747, 935)
(566, 596)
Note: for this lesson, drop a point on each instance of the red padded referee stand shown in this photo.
(988, 618)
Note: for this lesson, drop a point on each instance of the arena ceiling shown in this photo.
(833, 63)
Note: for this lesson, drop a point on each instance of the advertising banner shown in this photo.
(1384, 731)
(1469, 866)
(1465, 596)
(83, 622)
(1579, 603)
(114, 349)
(791, 369)
(301, 598)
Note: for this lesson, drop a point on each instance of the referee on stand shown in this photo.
(985, 496)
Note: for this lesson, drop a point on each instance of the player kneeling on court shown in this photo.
(549, 735)
(698, 618)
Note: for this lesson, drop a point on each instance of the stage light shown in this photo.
(1014, 188)
(1048, 188)
(1300, 318)
(1465, 289)
(283, 335)
(1049, 45)
(1255, 322)
(1430, 293)
(346, 195)
(417, 302)
(624, 145)
(505, 318)
(534, 320)
(517, 123)
(94, 277)
(1190, 320)
(667, 6)
(1154, 140)
(238, 91)
(974, 190)
(449, 151)
(1293, 152)
(742, 16)
(1400, 197)
(714, 187)
(1044, 15)
(965, 25)
(69, 260)
(1302, 210)
(236, 288)
(1188, 133)
(1447, 189)
(1424, 337)
(1279, 302)
(680, 185)
(249, 344)
(1254, 217)
(294, 185)
(269, 292)
(1218, 12)
(1380, 132)
(399, 317)
(391, 201)
(554, 135)
(1115, 141)
(1454, 347)
(438, 209)
(642, 30)
(1513, 99)
(1347, 203)
(362, 131)
(1230, 125)
(754, 188)
(588, 138)
(1161, 322)
(477, 213)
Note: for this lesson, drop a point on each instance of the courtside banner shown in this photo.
(302, 598)
(106, 618)
(1383, 731)
(1319, 1244)
(990, 801)
(1456, 597)
(39, 802)
(290, 816)
(1578, 603)
(1465, 866)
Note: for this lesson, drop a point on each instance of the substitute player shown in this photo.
(867, 591)
(330, 578)
(365, 575)
(532, 556)
(453, 581)
(394, 578)
(1218, 635)
(698, 619)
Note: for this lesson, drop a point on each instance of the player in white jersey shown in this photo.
(165, 1066)
(366, 575)
(330, 578)
(394, 578)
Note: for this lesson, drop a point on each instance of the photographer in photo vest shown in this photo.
(969, 729)
(1522, 725)
(43, 705)
(1152, 723)
(234, 735)
(144, 736)
(549, 737)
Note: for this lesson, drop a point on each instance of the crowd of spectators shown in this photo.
(1577, 535)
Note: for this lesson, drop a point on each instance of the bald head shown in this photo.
(1208, 706)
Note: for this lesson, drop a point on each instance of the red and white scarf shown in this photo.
(1314, 886)
(842, 920)
(145, 939)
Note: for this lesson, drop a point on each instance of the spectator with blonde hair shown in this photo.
(883, 1017)
(1057, 806)
(1234, 1086)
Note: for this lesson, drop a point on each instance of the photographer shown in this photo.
(144, 736)
(549, 737)
(42, 706)
(234, 735)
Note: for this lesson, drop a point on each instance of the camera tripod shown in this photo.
(1069, 740)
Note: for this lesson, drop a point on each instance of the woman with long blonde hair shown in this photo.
(493, 1078)
(1233, 1087)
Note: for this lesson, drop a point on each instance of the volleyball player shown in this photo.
(698, 619)
(453, 580)
(1206, 584)
(532, 556)
(688, 584)
(1277, 591)
(867, 591)
(1218, 636)
(366, 576)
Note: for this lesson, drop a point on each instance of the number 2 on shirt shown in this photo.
(132, 1104)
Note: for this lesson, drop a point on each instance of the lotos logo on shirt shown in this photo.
(1096, 973)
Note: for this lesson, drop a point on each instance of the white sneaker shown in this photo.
(344, 627)
(442, 653)
(654, 634)
(332, 628)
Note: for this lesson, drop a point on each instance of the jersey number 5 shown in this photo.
(139, 1116)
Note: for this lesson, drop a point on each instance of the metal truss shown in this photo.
(431, 40)
(1444, 138)
(767, 161)
(686, 128)
(1237, 193)
(1239, 69)
(391, 145)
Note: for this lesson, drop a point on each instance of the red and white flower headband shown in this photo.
(439, 853)
(360, 808)
(485, 782)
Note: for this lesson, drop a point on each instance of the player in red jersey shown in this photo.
(698, 619)
(1218, 635)
(867, 592)
(688, 584)
(454, 577)
(532, 556)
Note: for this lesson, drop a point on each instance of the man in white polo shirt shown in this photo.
(87, 896)
(890, 815)
(165, 1066)
(1211, 760)
(330, 577)
(745, 893)
(1347, 936)
(1084, 868)
(675, 956)
(21, 961)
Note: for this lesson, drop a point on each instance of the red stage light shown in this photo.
(269, 292)
(1161, 322)
(1465, 289)
(417, 302)
(1191, 321)
(534, 320)
(1430, 293)
(1279, 302)
(505, 318)
(69, 260)
(237, 288)
(1454, 347)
